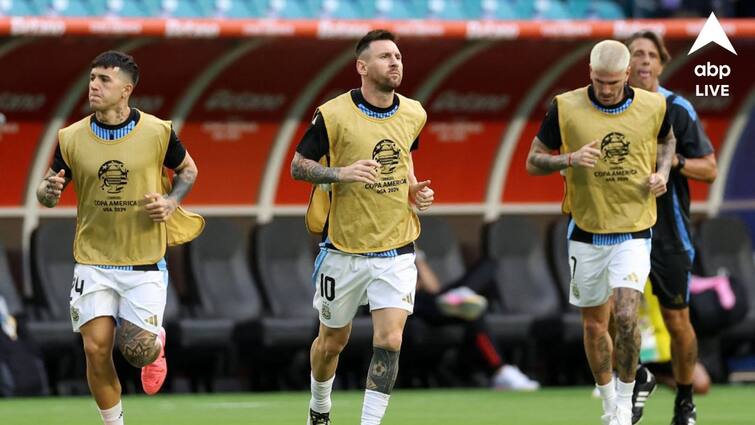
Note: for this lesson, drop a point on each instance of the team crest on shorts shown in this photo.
(74, 314)
(325, 312)
(574, 290)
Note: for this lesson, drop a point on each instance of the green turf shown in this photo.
(569, 406)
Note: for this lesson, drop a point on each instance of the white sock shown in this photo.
(608, 396)
(624, 394)
(320, 401)
(374, 407)
(113, 415)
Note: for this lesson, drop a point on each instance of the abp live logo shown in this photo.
(712, 32)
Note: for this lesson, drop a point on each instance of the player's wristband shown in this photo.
(568, 159)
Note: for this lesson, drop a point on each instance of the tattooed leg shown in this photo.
(138, 346)
(597, 341)
(626, 307)
(383, 370)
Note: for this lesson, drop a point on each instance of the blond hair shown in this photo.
(609, 56)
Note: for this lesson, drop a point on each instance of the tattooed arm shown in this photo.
(312, 171)
(666, 151)
(161, 207)
(364, 170)
(186, 175)
(51, 187)
(540, 161)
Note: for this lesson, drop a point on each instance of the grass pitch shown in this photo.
(725, 405)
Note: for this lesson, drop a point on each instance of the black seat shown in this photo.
(226, 295)
(430, 344)
(528, 297)
(8, 290)
(441, 248)
(52, 274)
(283, 259)
(724, 245)
(48, 322)
(9, 294)
(559, 261)
(443, 254)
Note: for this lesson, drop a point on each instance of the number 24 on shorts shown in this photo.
(77, 285)
(327, 287)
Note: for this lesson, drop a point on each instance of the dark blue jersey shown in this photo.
(671, 232)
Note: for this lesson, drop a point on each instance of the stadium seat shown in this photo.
(528, 298)
(233, 8)
(228, 307)
(550, 9)
(343, 9)
(185, 8)
(724, 245)
(605, 9)
(443, 254)
(594, 9)
(398, 9)
(284, 257)
(579, 8)
(132, 8)
(48, 319)
(493, 9)
(524, 9)
(8, 290)
(77, 8)
(559, 261)
(288, 9)
(19, 8)
(441, 248)
(9, 294)
(52, 273)
(446, 9)
(226, 295)
(283, 260)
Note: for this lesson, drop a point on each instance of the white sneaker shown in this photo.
(622, 416)
(463, 303)
(510, 378)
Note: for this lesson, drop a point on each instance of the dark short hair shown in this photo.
(371, 36)
(114, 58)
(656, 39)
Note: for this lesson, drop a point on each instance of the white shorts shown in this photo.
(343, 282)
(136, 296)
(598, 269)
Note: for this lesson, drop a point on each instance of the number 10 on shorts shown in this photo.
(327, 287)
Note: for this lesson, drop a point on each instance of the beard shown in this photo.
(388, 84)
